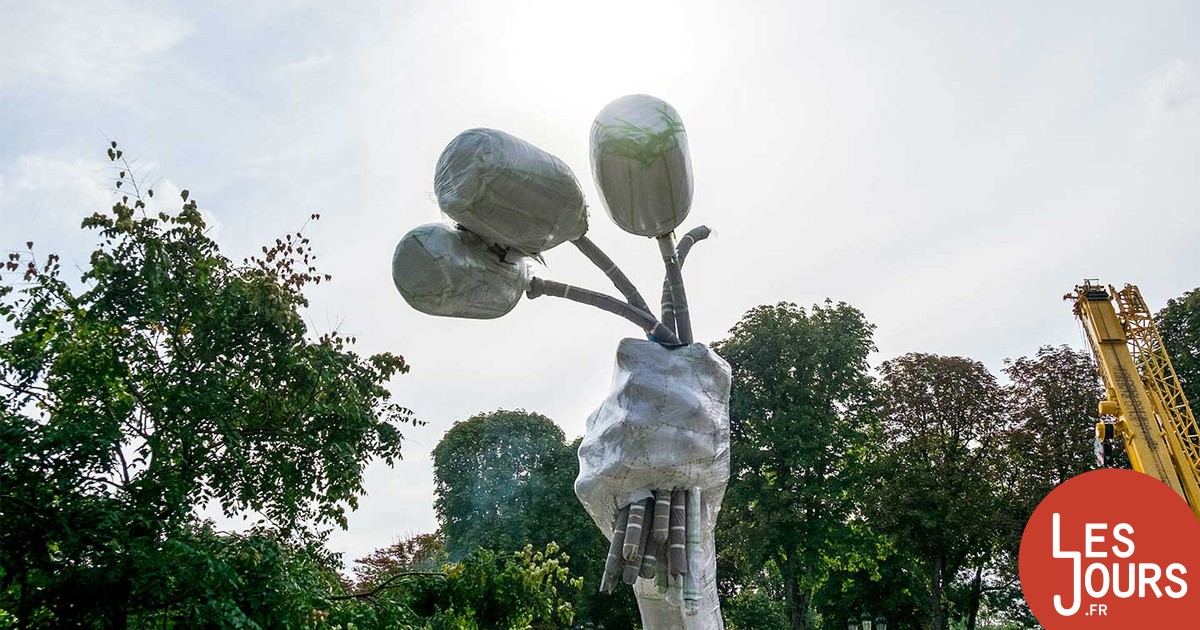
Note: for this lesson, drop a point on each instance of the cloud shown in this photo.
(45, 198)
(1175, 86)
(49, 188)
(167, 198)
(83, 47)
(311, 63)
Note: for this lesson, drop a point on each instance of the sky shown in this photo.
(951, 169)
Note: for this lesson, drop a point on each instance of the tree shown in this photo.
(173, 378)
(1179, 324)
(201, 577)
(422, 552)
(936, 488)
(800, 421)
(874, 574)
(482, 469)
(506, 479)
(486, 589)
(1052, 399)
(1052, 403)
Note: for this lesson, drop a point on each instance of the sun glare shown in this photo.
(590, 52)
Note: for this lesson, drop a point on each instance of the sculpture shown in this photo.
(654, 459)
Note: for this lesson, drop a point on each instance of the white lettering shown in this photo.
(1145, 580)
(1087, 580)
(1090, 537)
(1119, 538)
(1077, 560)
(1174, 572)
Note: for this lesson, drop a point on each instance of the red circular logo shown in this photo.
(1112, 549)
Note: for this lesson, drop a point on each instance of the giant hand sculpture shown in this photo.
(660, 442)
(655, 457)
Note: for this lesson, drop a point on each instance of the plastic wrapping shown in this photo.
(509, 192)
(641, 164)
(443, 271)
(665, 424)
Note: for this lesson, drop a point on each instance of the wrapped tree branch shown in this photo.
(659, 333)
(679, 305)
(693, 236)
(610, 269)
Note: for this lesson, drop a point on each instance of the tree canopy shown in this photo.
(1179, 324)
(505, 479)
(167, 379)
(937, 482)
(483, 469)
(799, 421)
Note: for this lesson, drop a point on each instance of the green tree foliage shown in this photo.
(203, 578)
(800, 421)
(870, 571)
(937, 483)
(1179, 324)
(485, 590)
(506, 479)
(169, 378)
(486, 470)
(755, 606)
(1051, 402)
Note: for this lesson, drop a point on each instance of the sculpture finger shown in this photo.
(649, 547)
(633, 565)
(662, 515)
(633, 532)
(676, 547)
(660, 568)
(691, 581)
(612, 565)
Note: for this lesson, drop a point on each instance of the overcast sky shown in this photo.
(950, 169)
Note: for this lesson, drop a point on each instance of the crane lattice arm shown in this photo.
(1153, 417)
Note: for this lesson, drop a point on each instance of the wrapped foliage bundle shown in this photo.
(443, 271)
(641, 165)
(509, 192)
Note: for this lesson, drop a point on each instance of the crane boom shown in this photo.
(1154, 419)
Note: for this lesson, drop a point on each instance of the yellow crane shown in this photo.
(1142, 390)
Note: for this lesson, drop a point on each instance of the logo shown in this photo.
(1112, 549)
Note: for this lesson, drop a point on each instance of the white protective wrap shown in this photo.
(641, 165)
(664, 424)
(509, 192)
(443, 271)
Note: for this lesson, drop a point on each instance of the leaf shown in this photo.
(184, 193)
